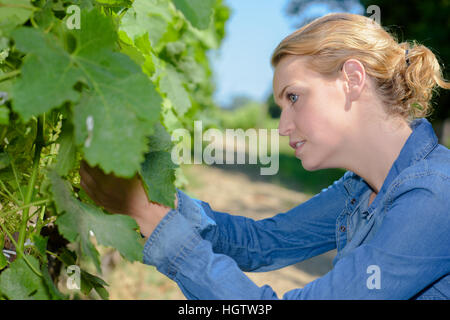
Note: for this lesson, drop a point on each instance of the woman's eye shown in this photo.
(292, 97)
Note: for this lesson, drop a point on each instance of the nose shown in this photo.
(285, 125)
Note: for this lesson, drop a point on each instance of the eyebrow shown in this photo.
(280, 96)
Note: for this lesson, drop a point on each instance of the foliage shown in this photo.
(250, 115)
(109, 90)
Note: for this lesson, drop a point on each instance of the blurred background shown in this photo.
(243, 81)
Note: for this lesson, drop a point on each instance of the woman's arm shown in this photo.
(124, 196)
(409, 252)
(302, 232)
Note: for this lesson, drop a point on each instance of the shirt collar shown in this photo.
(419, 144)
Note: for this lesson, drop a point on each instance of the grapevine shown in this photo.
(107, 82)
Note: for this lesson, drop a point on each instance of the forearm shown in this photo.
(267, 244)
(178, 251)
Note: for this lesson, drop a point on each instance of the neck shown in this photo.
(377, 149)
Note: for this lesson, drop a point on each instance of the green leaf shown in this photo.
(66, 158)
(54, 293)
(158, 175)
(114, 2)
(68, 257)
(20, 282)
(41, 245)
(193, 71)
(4, 160)
(89, 282)
(147, 17)
(160, 140)
(158, 169)
(113, 128)
(78, 219)
(198, 12)
(172, 86)
(4, 115)
(47, 75)
(3, 261)
(117, 111)
(123, 104)
(14, 13)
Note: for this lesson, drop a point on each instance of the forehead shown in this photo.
(292, 70)
(292, 67)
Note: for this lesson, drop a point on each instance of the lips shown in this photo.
(293, 144)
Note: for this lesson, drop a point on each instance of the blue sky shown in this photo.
(242, 65)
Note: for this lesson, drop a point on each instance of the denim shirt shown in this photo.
(396, 248)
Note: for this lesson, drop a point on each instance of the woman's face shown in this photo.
(313, 108)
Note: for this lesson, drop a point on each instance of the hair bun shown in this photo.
(422, 75)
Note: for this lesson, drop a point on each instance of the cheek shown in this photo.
(323, 122)
(325, 146)
(317, 126)
(329, 116)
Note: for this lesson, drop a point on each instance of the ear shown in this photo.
(355, 77)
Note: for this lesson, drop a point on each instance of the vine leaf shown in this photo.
(172, 86)
(14, 15)
(47, 75)
(114, 115)
(67, 157)
(149, 17)
(158, 169)
(198, 12)
(87, 281)
(52, 289)
(19, 282)
(77, 219)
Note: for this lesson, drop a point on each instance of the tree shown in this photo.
(301, 9)
(273, 109)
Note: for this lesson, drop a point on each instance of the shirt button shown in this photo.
(342, 228)
(353, 201)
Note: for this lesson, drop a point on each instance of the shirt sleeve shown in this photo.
(304, 231)
(409, 251)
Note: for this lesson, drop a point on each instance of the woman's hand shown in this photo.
(125, 196)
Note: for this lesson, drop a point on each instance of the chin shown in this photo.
(308, 166)
(314, 165)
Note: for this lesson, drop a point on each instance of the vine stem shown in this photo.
(9, 75)
(31, 183)
(21, 253)
(9, 193)
(36, 203)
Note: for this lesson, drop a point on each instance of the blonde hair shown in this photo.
(404, 82)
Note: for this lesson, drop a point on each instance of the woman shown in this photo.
(357, 100)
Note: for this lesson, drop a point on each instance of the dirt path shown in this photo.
(235, 193)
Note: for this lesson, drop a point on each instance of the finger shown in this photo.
(86, 180)
(95, 196)
(99, 175)
(86, 188)
(95, 172)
